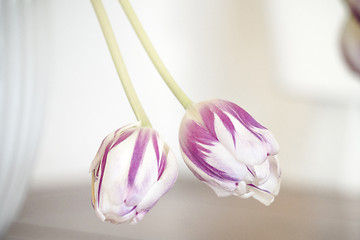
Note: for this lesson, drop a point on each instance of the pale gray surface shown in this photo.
(191, 211)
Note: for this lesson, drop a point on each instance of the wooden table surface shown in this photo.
(191, 211)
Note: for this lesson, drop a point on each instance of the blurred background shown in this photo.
(280, 60)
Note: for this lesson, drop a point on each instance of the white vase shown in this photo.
(21, 104)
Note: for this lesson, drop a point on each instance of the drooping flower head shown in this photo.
(231, 152)
(132, 169)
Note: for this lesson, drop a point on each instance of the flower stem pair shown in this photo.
(120, 65)
(223, 145)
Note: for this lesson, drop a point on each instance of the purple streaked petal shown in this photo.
(251, 171)
(156, 146)
(227, 185)
(116, 138)
(162, 163)
(102, 166)
(147, 170)
(207, 112)
(122, 137)
(105, 142)
(196, 135)
(208, 119)
(100, 152)
(240, 114)
(137, 157)
(264, 190)
(259, 131)
(227, 123)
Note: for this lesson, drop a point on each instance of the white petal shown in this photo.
(265, 192)
(241, 189)
(201, 175)
(139, 216)
(262, 196)
(115, 177)
(272, 146)
(223, 160)
(160, 187)
(262, 172)
(273, 183)
(249, 149)
(224, 135)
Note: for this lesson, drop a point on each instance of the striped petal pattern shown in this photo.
(230, 151)
(132, 169)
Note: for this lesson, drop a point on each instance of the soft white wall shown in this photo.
(309, 64)
(213, 49)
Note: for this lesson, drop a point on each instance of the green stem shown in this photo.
(149, 48)
(119, 63)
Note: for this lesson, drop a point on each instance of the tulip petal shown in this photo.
(112, 156)
(215, 182)
(106, 141)
(266, 191)
(197, 149)
(146, 168)
(249, 122)
(138, 154)
(262, 171)
(163, 184)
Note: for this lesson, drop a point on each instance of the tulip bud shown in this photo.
(132, 169)
(351, 44)
(228, 150)
(354, 8)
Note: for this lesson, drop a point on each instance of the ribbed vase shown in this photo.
(21, 105)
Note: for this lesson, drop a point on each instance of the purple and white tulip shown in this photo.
(132, 169)
(231, 152)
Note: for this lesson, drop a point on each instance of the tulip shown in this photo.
(351, 44)
(231, 152)
(132, 169)
(354, 8)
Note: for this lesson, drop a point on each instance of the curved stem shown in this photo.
(149, 48)
(119, 63)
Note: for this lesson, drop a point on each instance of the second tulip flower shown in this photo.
(231, 152)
